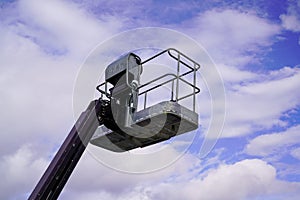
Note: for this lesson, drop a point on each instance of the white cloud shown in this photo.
(253, 178)
(233, 44)
(110, 178)
(93, 179)
(34, 88)
(19, 172)
(42, 46)
(296, 153)
(255, 101)
(259, 103)
(232, 41)
(274, 143)
(233, 75)
(291, 20)
(36, 102)
(65, 26)
(246, 179)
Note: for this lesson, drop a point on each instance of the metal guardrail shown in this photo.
(174, 78)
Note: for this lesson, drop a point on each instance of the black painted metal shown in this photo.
(61, 167)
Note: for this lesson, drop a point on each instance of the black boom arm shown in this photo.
(61, 167)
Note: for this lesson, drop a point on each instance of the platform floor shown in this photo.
(154, 124)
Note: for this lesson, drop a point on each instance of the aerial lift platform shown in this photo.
(115, 123)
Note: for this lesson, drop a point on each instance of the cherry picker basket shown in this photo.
(126, 127)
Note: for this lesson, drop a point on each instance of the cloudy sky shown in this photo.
(255, 47)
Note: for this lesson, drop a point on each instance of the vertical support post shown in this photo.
(145, 100)
(177, 82)
(194, 89)
(127, 74)
(172, 92)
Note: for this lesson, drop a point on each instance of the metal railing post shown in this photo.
(172, 91)
(145, 100)
(177, 83)
(194, 89)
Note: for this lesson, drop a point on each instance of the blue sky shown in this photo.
(255, 46)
